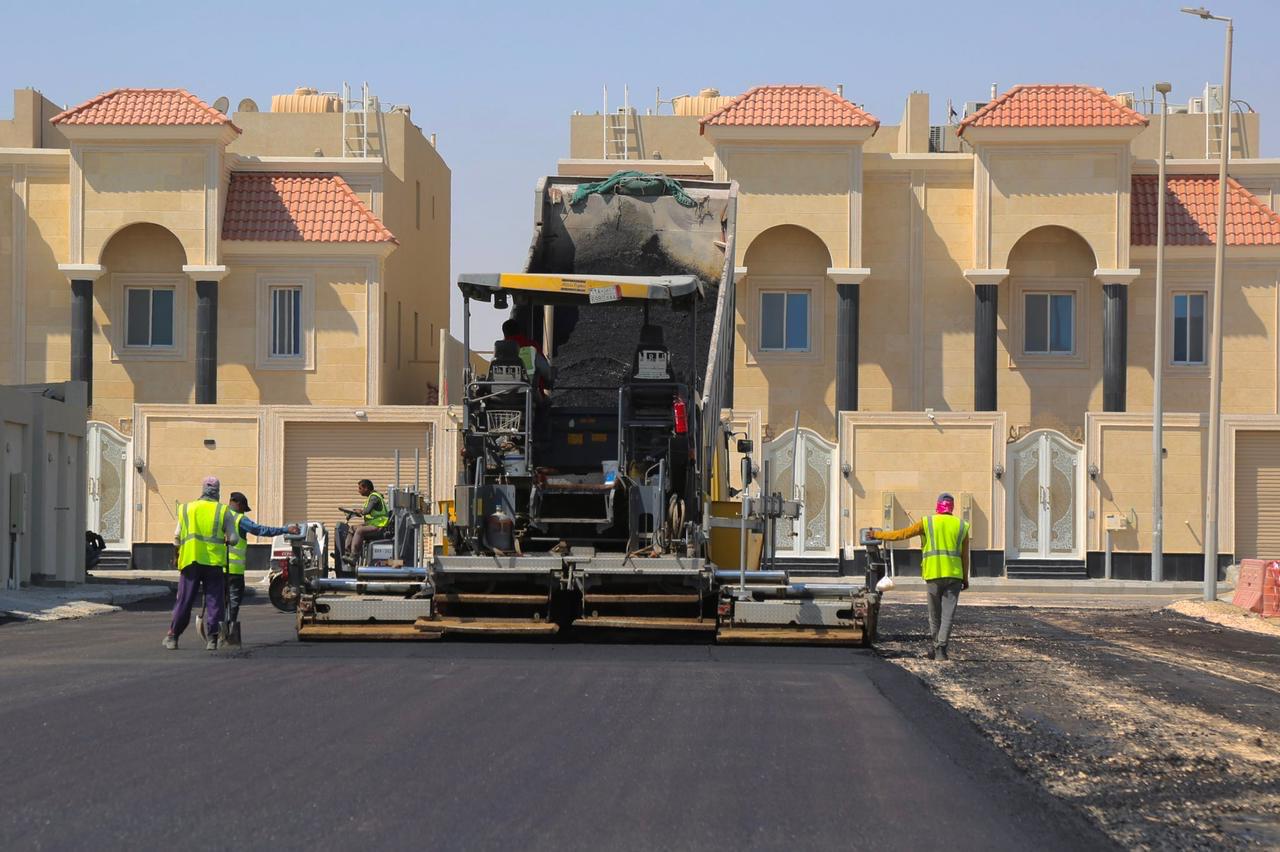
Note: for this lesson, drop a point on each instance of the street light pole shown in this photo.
(1157, 403)
(1215, 343)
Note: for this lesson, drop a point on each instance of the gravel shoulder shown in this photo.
(1163, 729)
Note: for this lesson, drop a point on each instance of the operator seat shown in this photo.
(507, 371)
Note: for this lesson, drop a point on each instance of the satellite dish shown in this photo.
(247, 105)
(221, 104)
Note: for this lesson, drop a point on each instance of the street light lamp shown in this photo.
(1157, 402)
(1215, 342)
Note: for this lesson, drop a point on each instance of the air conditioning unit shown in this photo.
(970, 107)
(1195, 106)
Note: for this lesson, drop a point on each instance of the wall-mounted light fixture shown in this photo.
(998, 470)
(846, 469)
(139, 464)
(1093, 471)
(360, 412)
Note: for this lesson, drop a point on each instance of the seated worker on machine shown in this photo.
(535, 363)
(375, 517)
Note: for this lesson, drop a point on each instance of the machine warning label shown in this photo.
(600, 295)
(652, 364)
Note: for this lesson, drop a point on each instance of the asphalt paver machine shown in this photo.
(594, 462)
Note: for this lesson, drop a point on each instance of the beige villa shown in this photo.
(239, 291)
(970, 306)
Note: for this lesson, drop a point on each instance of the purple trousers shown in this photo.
(192, 578)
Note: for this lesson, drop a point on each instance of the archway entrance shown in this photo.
(814, 534)
(1045, 497)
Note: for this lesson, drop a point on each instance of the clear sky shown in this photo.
(498, 80)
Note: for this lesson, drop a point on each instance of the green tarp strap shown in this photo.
(635, 183)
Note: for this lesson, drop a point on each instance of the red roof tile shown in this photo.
(143, 106)
(1191, 214)
(281, 207)
(1059, 105)
(790, 106)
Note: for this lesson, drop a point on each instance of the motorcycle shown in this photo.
(304, 554)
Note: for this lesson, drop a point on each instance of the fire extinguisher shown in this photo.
(681, 414)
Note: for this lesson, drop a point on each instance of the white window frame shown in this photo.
(1204, 341)
(118, 336)
(267, 284)
(292, 331)
(1079, 356)
(808, 320)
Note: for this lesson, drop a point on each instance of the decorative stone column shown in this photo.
(206, 279)
(848, 304)
(1115, 335)
(986, 304)
(82, 276)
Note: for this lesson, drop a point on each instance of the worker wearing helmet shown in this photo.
(944, 564)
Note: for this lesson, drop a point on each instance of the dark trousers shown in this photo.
(192, 579)
(235, 593)
(944, 594)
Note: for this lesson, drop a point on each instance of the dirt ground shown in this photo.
(1164, 729)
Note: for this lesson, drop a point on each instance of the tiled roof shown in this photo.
(1191, 214)
(1059, 105)
(790, 106)
(143, 106)
(286, 207)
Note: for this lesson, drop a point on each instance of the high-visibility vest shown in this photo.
(529, 357)
(944, 537)
(239, 552)
(378, 517)
(200, 534)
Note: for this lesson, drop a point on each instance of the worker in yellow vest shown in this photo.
(237, 556)
(944, 564)
(206, 532)
(375, 515)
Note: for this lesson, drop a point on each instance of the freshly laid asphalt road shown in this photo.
(108, 741)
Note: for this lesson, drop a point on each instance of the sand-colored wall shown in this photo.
(915, 459)
(47, 293)
(916, 308)
(335, 337)
(416, 207)
(674, 137)
(1085, 189)
(813, 187)
(1120, 446)
(177, 458)
(247, 451)
(167, 188)
(9, 355)
(1046, 391)
(778, 384)
(1249, 338)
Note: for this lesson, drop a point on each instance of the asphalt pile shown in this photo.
(595, 344)
(1164, 730)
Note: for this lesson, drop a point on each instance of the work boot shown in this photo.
(212, 644)
(941, 653)
(170, 643)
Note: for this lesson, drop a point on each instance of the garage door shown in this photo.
(323, 462)
(1257, 506)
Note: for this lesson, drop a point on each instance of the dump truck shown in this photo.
(594, 486)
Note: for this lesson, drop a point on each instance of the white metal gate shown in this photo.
(1045, 496)
(110, 457)
(814, 534)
